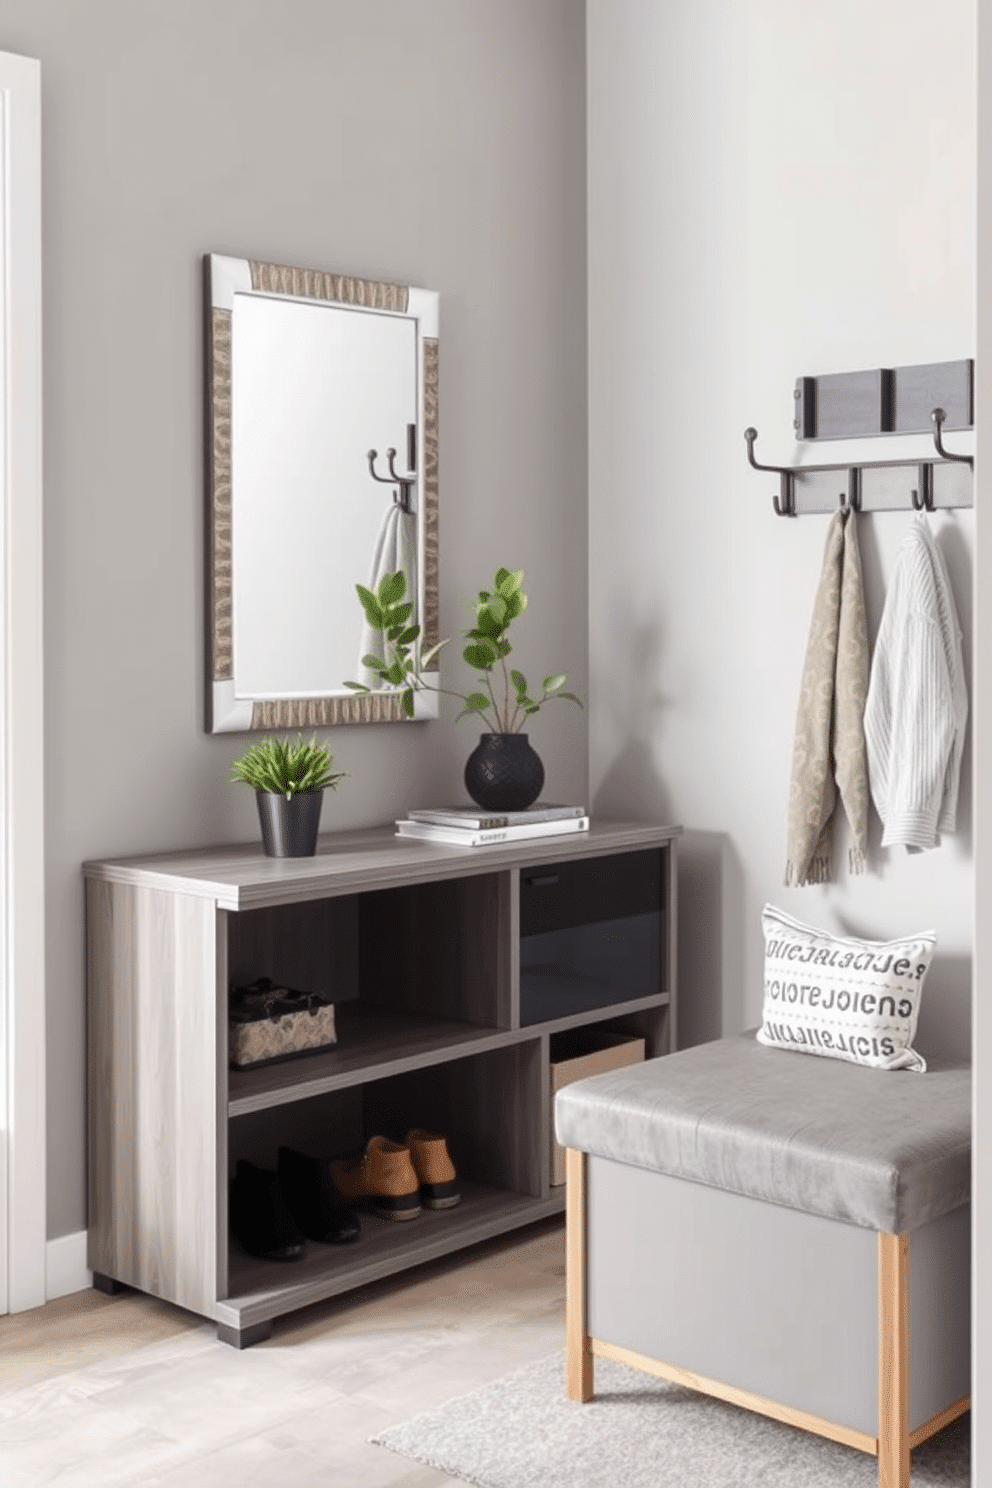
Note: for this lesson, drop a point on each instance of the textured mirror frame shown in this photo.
(224, 277)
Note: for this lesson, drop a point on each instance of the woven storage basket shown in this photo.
(269, 1023)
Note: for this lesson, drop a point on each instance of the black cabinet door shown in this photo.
(591, 933)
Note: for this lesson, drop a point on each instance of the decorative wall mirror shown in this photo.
(308, 373)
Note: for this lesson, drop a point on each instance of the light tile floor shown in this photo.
(101, 1390)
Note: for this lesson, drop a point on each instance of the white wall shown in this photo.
(981, 1296)
(441, 144)
(774, 190)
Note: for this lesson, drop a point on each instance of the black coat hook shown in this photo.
(938, 416)
(923, 498)
(850, 500)
(783, 503)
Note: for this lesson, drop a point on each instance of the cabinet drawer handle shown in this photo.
(542, 880)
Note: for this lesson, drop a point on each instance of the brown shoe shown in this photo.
(434, 1168)
(383, 1177)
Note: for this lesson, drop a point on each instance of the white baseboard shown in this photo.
(65, 1266)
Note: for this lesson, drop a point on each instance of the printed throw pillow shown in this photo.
(840, 997)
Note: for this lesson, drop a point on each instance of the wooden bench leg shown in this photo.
(578, 1354)
(893, 1361)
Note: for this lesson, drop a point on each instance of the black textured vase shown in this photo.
(289, 826)
(503, 773)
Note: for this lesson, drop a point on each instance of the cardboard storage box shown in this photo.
(575, 1055)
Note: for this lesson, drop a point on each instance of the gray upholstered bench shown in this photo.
(773, 1229)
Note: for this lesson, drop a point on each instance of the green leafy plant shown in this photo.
(388, 611)
(287, 767)
(507, 701)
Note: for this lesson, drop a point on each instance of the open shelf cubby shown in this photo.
(451, 970)
(259, 1292)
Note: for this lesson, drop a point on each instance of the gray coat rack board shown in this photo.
(885, 400)
(854, 405)
(884, 488)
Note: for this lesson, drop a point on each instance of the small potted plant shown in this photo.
(503, 772)
(289, 778)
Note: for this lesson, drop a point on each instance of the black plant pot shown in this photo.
(289, 827)
(503, 773)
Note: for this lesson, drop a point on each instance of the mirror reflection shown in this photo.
(327, 478)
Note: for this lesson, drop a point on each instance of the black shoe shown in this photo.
(313, 1200)
(260, 1219)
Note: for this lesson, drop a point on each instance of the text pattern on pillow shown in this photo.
(843, 997)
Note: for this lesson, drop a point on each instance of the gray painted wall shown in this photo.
(440, 143)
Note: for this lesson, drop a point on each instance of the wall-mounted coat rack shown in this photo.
(403, 484)
(854, 404)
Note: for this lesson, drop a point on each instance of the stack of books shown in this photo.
(470, 826)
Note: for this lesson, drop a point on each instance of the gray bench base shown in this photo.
(799, 1317)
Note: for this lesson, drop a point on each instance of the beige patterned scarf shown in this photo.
(829, 750)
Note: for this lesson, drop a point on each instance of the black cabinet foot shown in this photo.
(108, 1285)
(242, 1338)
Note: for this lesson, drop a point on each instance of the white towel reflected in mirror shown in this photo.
(396, 548)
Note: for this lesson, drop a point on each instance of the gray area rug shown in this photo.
(639, 1432)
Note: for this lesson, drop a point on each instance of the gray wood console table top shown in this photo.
(242, 877)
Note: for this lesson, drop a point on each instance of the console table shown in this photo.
(452, 970)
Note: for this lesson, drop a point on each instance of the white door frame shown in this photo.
(22, 880)
(981, 1174)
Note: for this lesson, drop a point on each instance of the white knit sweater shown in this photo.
(917, 705)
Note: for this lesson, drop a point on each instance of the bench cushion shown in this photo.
(885, 1150)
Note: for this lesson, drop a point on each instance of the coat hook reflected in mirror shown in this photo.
(404, 483)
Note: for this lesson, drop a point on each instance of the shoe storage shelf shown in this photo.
(452, 971)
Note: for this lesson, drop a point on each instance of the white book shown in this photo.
(474, 818)
(460, 837)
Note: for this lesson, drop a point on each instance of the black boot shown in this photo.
(260, 1220)
(313, 1201)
